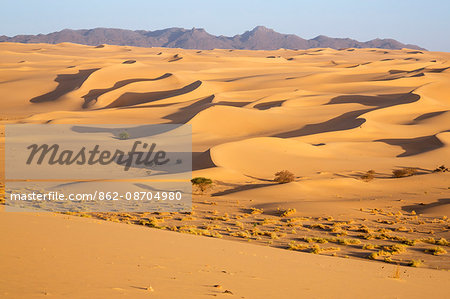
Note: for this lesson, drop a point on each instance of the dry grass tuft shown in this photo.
(284, 176)
(256, 211)
(368, 176)
(436, 250)
(404, 172)
(288, 212)
(414, 263)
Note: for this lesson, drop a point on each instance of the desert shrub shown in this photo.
(319, 226)
(124, 135)
(404, 172)
(443, 242)
(348, 241)
(395, 249)
(388, 259)
(316, 249)
(369, 246)
(373, 256)
(256, 211)
(241, 234)
(201, 182)
(315, 240)
(429, 240)
(415, 263)
(368, 176)
(296, 246)
(284, 176)
(215, 234)
(441, 168)
(436, 250)
(288, 212)
(409, 242)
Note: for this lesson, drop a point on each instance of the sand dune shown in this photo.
(328, 116)
(111, 260)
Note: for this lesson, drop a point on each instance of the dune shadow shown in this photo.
(351, 120)
(422, 208)
(93, 94)
(239, 78)
(183, 115)
(346, 121)
(242, 188)
(426, 116)
(138, 131)
(202, 160)
(268, 105)
(399, 74)
(66, 84)
(380, 101)
(175, 57)
(233, 104)
(414, 146)
(135, 98)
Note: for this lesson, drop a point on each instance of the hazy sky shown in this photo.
(425, 22)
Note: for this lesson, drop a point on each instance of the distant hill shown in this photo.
(260, 38)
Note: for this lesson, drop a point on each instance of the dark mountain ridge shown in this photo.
(260, 38)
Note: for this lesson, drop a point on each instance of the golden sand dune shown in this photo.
(328, 116)
(253, 112)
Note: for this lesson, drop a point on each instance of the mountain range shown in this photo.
(260, 38)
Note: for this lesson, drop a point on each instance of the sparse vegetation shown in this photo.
(436, 250)
(315, 240)
(369, 246)
(441, 168)
(242, 234)
(442, 242)
(395, 249)
(124, 135)
(256, 211)
(404, 172)
(297, 246)
(399, 230)
(202, 183)
(348, 241)
(288, 212)
(284, 176)
(414, 263)
(368, 176)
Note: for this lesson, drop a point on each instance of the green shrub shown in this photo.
(124, 135)
(201, 182)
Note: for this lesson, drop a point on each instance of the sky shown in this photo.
(420, 22)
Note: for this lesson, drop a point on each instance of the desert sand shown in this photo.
(328, 116)
(58, 256)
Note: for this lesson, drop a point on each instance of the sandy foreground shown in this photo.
(50, 255)
(328, 116)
